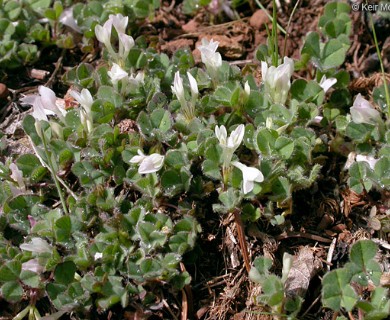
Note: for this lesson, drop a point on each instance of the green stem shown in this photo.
(269, 16)
(275, 56)
(51, 168)
(288, 28)
(381, 64)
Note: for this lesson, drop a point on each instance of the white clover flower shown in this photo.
(209, 56)
(117, 73)
(326, 84)
(37, 245)
(193, 85)
(84, 98)
(235, 138)
(229, 145)
(363, 112)
(98, 255)
(119, 22)
(33, 265)
(368, 159)
(250, 175)
(67, 19)
(44, 104)
(126, 42)
(134, 82)
(178, 88)
(148, 164)
(277, 80)
(17, 175)
(247, 89)
(103, 33)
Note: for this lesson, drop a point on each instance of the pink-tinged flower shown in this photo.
(33, 265)
(250, 175)
(44, 104)
(17, 176)
(363, 112)
(86, 100)
(67, 19)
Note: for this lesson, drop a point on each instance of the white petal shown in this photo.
(177, 87)
(367, 158)
(139, 158)
(236, 137)
(247, 89)
(221, 134)
(119, 22)
(117, 73)
(193, 84)
(326, 84)
(151, 164)
(67, 19)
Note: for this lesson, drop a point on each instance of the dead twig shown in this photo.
(241, 239)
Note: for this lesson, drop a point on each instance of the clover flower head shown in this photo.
(44, 104)
(250, 175)
(117, 73)
(235, 138)
(126, 42)
(193, 85)
(148, 164)
(119, 21)
(17, 175)
(326, 84)
(368, 159)
(178, 88)
(84, 98)
(209, 56)
(103, 33)
(277, 80)
(363, 112)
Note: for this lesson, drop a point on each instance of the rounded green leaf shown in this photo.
(64, 272)
(12, 291)
(362, 252)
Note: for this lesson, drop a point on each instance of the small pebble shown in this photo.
(258, 20)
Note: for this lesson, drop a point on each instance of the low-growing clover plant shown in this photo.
(27, 27)
(355, 286)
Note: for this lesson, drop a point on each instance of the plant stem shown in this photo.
(269, 16)
(288, 27)
(51, 168)
(275, 56)
(241, 239)
(381, 64)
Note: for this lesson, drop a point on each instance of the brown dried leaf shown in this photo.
(304, 268)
